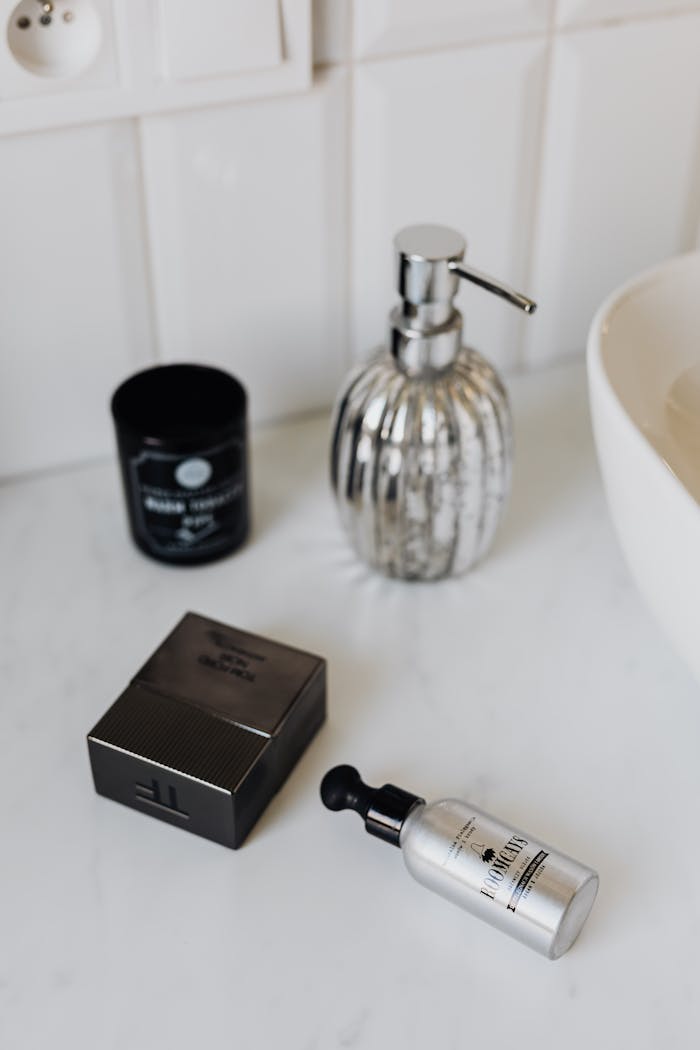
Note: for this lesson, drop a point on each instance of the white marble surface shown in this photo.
(538, 687)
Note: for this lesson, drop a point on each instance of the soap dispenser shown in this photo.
(421, 447)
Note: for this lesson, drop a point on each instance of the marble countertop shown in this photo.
(538, 687)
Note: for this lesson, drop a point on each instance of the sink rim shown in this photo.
(600, 379)
(655, 516)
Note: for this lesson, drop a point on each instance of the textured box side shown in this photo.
(149, 745)
(302, 722)
(162, 793)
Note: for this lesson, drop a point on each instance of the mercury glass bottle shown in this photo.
(421, 449)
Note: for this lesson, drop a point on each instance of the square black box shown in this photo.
(209, 728)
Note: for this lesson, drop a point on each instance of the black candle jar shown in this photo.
(181, 436)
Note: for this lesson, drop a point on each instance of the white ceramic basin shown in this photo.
(644, 379)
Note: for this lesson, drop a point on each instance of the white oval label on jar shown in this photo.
(193, 473)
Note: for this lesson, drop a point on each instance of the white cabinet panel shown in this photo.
(621, 186)
(74, 314)
(449, 138)
(247, 214)
(387, 26)
(586, 12)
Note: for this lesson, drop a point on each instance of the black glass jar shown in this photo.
(181, 436)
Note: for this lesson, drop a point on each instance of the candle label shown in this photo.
(190, 503)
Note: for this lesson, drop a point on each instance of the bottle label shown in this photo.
(504, 876)
(504, 867)
(190, 504)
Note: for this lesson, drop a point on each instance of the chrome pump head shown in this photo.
(426, 329)
(429, 261)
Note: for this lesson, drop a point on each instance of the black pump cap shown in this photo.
(384, 809)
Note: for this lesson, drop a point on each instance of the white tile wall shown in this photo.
(248, 37)
(426, 150)
(384, 27)
(248, 234)
(74, 310)
(562, 137)
(586, 12)
(620, 184)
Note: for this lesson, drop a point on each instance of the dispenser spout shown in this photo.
(492, 285)
(429, 261)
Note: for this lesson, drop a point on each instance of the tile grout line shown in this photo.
(552, 29)
(690, 239)
(106, 459)
(53, 470)
(349, 340)
(146, 222)
(617, 21)
(521, 363)
(459, 45)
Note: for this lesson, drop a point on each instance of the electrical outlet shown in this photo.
(79, 61)
(56, 45)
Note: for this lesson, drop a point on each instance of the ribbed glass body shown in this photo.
(421, 464)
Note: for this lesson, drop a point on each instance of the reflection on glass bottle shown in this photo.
(422, 438)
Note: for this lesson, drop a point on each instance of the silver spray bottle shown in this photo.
(505, 877)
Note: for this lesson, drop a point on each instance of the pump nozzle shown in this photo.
(383, 809)
(492, 285)
(430, 258)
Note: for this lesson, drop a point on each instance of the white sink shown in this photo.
(644, 380)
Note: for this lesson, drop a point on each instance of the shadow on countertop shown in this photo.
(554, 451)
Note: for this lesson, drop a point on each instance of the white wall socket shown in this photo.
(75, 61)
(49, 46)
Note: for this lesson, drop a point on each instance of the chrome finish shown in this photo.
(429, 261)
(422, 440)
(505, 877)
(424, 255)
(497, 287)
(421, 347)
(421, 465)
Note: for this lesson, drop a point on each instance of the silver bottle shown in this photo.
(421, 450)
(505, 877)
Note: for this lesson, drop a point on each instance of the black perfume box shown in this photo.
(209, 728)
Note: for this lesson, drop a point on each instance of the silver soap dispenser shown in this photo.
(421, 449)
